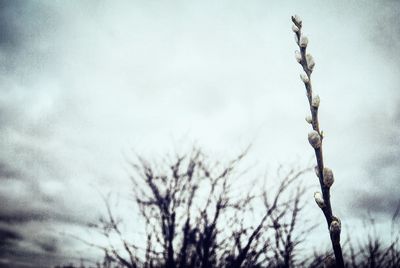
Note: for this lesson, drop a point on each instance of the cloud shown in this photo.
(9, 24)
(80, 83)
(379, 192)
(8, 238)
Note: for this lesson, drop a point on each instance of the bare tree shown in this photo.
(197, 214)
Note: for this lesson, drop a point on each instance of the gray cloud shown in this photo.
(6, 172)
(8, 238)
(385, 29)
(25, 29)
(9, 28)
(380, 192)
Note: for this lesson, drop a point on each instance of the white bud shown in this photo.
(334, 218)
(303, 41)
(295, 28)
(315, 101)
(305, 78)
(314, 139)
(309, 119)
(335, 229)
(296, 19)
(319, 200)
(310, 62)
(297, 55)
(328, 177)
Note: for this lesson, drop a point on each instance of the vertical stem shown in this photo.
(304, 61)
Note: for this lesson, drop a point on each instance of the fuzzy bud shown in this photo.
(295, 28)
(310, 61)
(334, 218)
(319, 200)
(335, 229)
(314, 139)
(305, 78)
(315, 101)
(297, 55)
(309, 119)
(328, 177)
(297, 20)
(303, 41)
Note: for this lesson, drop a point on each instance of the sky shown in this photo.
(83, 84)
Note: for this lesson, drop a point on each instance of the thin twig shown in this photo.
(315, 138)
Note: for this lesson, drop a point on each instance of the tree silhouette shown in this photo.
(201, 213)
(197, 214)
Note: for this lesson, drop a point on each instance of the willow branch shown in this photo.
(315, 137)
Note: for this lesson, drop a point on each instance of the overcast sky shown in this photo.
(82, 83)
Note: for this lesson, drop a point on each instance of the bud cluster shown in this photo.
(309, 119)
(297, 21)
(314, 139)
(305, 78)
(310, 62)
(328, 177)
(315, 101)
(302, 41)
(335, 229)
(319, 200)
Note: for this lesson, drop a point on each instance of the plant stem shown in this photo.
(307, 63)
